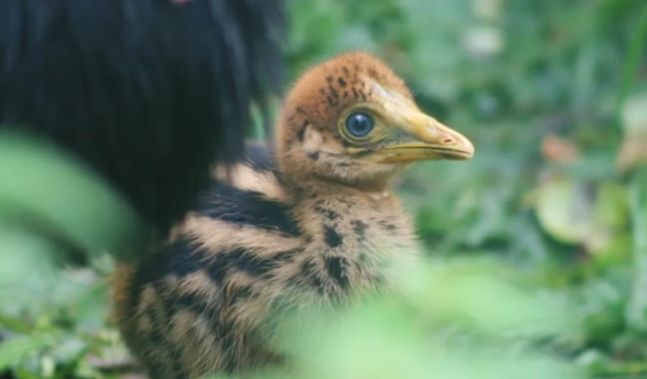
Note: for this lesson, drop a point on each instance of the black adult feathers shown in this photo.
(148, 93)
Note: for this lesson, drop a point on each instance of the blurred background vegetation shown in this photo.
(537, 247)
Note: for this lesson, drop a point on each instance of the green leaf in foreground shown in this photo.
(15, 350)
(43, 189)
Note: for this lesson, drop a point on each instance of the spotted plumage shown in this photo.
(314, 227)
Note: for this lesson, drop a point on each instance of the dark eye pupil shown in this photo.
(359, 124)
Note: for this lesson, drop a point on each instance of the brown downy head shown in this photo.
(351, 120)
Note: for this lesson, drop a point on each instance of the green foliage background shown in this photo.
(537, 255)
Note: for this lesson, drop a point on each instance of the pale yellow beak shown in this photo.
(424, 137)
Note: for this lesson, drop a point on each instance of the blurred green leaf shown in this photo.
(588, 214)
(632, 151)
(56, 197)
(15, 350)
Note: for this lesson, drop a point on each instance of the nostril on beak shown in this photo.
(448, 140)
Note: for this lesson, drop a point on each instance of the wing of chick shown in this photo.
(209, 297)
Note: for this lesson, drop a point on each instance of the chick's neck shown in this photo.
(308, 186)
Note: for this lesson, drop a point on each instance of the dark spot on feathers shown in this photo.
(254, 265)
(239, 260)
(219, 269)
(387, 225)
(328, 213)
(286, 256)
(359, 227)
(189, 301)
(314, 156)
(239, 293)
(308, 274)
(333, 239)
(335, 266)
(341, 82)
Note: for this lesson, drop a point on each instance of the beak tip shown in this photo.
(467, 149)
(470, 150)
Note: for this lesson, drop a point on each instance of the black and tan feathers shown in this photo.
(318, 230)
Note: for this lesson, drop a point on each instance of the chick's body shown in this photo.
(319, 228)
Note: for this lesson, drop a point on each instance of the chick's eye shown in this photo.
(359, 124)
